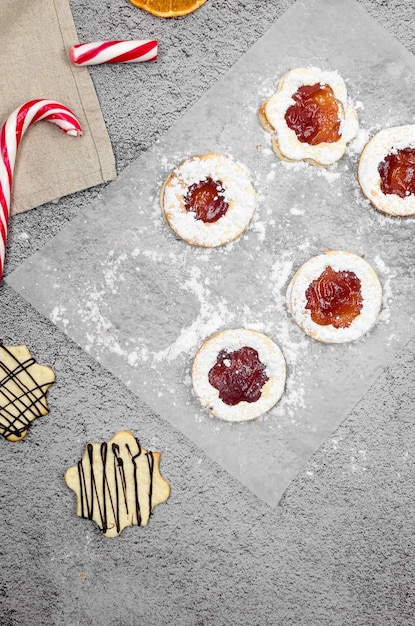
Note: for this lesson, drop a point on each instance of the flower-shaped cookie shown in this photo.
(117, 483)
(23, 387)
(310, 116)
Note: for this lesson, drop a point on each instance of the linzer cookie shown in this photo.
(23, 387)
(310, 116)
(208, 200)
(335, 297)
(386, 171)
(117, 483)
(238, 374)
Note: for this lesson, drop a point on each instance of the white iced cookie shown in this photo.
(238, 374)
(310, 116)
(208, 200)
(117, 483)
(335, 297)
(386, 171)
(23, 387)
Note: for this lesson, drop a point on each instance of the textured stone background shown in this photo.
(339, 549)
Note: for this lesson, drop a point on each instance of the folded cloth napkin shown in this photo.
(35, 38)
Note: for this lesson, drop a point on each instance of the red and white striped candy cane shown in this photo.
(98, 52)
(11, 134)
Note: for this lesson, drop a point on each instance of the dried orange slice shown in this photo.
(168, 8)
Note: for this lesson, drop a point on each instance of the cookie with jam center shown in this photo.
(208, 200)
(310, 116)
(386, 171)
(238, 374)
(335, 297)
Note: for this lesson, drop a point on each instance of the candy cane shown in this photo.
(113, 52)
(11, 134)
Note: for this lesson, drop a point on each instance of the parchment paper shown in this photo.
(141, 301)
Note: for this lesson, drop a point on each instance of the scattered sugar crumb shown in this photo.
(328, 173)
(296, 211)
(355, 147)
(259, 227)
(57, 316)
(335, 443)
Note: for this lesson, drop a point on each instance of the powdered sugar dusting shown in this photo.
(212, 316)
(145, 310)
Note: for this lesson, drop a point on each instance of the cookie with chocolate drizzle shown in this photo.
(117, 483)
(23, 387)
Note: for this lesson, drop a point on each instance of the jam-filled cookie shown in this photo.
(23, 387)
(238, 374)
(310, 116)
(387, 171)
(208, 200)
(335, 297)
(117, 483)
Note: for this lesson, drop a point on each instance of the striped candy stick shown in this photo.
(98, 52)
(11, 134)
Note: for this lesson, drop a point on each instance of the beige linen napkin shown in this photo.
(35, 37)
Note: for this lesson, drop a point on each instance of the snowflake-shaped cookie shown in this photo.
(23, 387)
(117, 483)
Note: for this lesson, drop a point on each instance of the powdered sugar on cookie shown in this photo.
(339, 261)
(269, 355)
(386, 142)
(234, 188)
(285, 140)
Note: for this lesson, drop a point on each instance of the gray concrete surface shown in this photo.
(339, 548)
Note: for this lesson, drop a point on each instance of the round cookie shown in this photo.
(369, 298)
(234, 364)
(208, 200)
(285, 142)
(386, 142)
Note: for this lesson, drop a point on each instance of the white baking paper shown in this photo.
(141, 301)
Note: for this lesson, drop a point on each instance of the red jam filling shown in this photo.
(334, 298)
(315, 115)
(397, 173)
(238, 376)
(206, 200)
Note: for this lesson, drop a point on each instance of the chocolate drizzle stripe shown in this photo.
(119, 467)
(104, 455)
(27, 403)
(150, 461)
(137, 499)
(82, 489)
